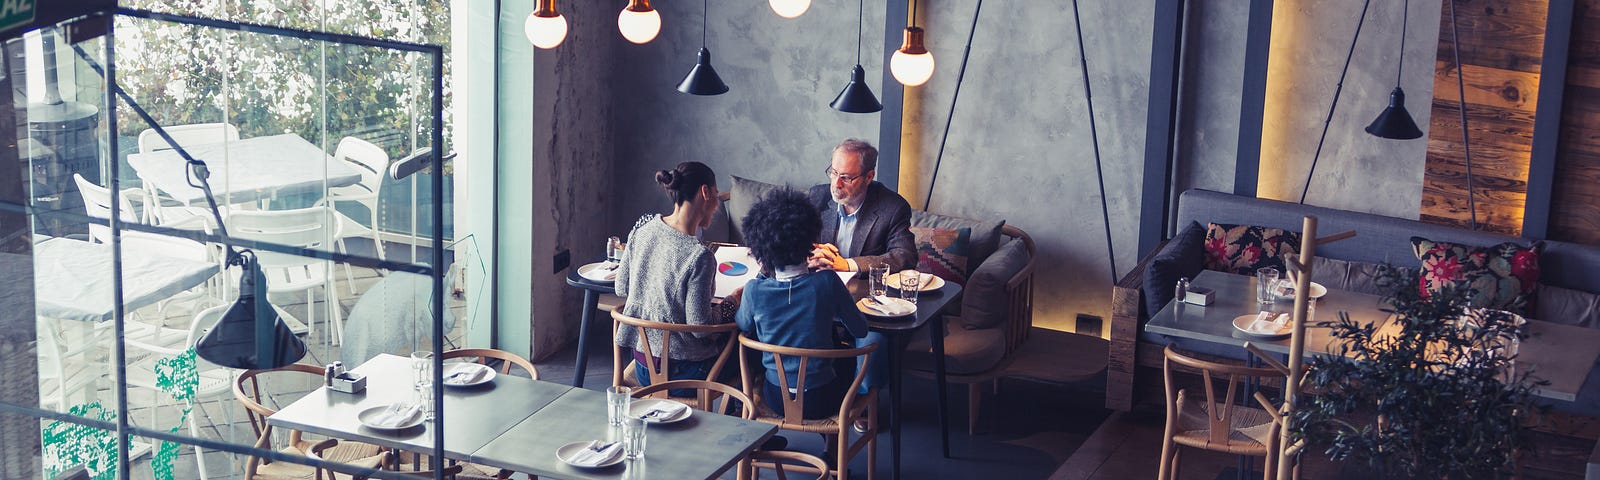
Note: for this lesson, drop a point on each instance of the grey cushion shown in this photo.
(985, 234)
(1567, 306)
(1346, 275)
(965, 351)
(984, 303)
(745, 194)
(1183, 257)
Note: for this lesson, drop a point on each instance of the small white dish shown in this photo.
(566, 453)
(886, 306)
(641, 406)
(369, 418)
(1242, 324)
(1286, 290)
(603, 272)
(929, 281)
(486, 377)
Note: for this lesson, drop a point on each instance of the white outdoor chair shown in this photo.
(213, 380)
(63, 372)
(185, 136)
(371, 162)
(312, 228)
(97, 204)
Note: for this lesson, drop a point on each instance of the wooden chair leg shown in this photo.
(1168, 451)
(974, 399)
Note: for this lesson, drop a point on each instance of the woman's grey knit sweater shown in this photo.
(667, 276)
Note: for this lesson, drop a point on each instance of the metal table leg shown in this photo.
(896, 344)
(936, 336)
(591, 301)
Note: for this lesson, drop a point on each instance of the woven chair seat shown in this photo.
(820, 425)
(285, 470)
(469, 471)
(1250, 430)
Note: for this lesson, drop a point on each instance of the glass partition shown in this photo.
(199, 198)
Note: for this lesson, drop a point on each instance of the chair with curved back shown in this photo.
(835, 428)
(371, 162)
(622, 359)
(247, 390)
(158, 206)
(484, 355)
(779, 460)
(726, 393)
(1216, 423)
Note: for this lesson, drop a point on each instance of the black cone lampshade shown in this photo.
(250, 334)
(1395, 122)
(703, 79)
(856, 97)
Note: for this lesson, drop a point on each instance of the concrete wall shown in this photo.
(773, 125)
(1212, 90)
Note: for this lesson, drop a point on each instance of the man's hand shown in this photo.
(826, 256)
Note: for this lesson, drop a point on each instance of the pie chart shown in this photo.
(732, 269)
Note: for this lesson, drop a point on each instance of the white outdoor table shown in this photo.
(246, 170)
(73, 278)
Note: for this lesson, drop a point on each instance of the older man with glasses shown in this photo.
(863, 222)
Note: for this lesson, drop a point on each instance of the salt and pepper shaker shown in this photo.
(328, 372)
(1182, 292)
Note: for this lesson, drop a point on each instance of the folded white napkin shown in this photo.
(595, 453)
(890, 306)
(397, 414)
(1263, 326)
(661, 410)
(465, 373)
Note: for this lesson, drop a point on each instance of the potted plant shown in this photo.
(1433, 394)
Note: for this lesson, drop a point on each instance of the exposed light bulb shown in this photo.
(545, 30)
(638, 22)
(912, 64)
(789, 8)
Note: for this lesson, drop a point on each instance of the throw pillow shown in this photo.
(745, 194)
(943, 252)
(984, 304)
(985, 234)
(1243, 249)
(1567, 306)
(1501, 277)
(1184, 256)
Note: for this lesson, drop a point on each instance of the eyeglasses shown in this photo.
(834, 175)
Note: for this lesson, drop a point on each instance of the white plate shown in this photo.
(603, 272)
(1317, 291)
(565, 453)
(368, 416)
(486, 378)
(1242, 324)
(893, 281)
(644, 404)
(890, 307)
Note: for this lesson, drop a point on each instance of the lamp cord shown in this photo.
(861, 14)
(1405, 21)
(1094, 134)
(1336, 91)
(705, 9)
(962, 75)
(1466, 145)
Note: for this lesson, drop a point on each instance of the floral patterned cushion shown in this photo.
(1501, 277)
(943, 252)
(1243, 249)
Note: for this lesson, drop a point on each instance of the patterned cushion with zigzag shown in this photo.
(943, 252)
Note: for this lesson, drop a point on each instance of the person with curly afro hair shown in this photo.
(790, 305)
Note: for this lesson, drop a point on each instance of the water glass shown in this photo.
(910, 282)
(1266, 279)
(421, 369)
(879, 280)
(425, 400)
(617, 400)
(633, 429)
(613, 249)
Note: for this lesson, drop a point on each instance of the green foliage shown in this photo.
(1428, 400)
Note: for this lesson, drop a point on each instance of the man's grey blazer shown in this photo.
(883, 227)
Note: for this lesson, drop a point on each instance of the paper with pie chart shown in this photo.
(735, 267)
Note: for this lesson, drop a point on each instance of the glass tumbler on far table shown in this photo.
(614, 250)
(617, 400)
(879, 280)
(910, 282)
(422, 380)
(633, 429)
(1266, 279)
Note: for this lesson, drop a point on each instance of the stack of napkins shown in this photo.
(596, 453)
(397, 415)
(465, 374)
(1262, 326)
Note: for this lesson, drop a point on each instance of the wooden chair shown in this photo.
(1218, 424)
(247, 390)
(485, 354)
(467, 470)
(727, 394)
(835, 428)
(622, 358)
(779, 458)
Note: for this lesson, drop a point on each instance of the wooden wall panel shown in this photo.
(1502, 45)
(1575, 202)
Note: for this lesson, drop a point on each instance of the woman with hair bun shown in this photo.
(667, 274)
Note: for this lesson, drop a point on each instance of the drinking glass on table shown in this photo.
(633, 429)
(613, 250)
(910, 283)
(617, 400)
(422, 381)
(1266, 279)
(879, 281)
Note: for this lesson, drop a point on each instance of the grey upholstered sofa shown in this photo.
(1134, 361)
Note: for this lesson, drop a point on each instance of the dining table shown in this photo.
(516, 423)
(246, 170)
(74, 282)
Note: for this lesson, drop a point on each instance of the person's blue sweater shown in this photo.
(799, 311)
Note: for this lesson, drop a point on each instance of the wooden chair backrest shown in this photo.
(484, 354)
(794, 403)
(1219, 410)
(1019, 318)
(658, 369)
(708, 392)
(247, 390)
(780, 458)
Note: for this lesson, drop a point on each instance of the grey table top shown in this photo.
(929, 305)
(1561, 354)
(702, 446)
(473, 416)
(246, 170)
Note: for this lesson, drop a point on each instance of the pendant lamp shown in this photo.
(789, 8)
(545, 27)
(703, 79)
(1395, 122)
(250, 334)
(912, 64)
(638, 22)
(857, 97)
